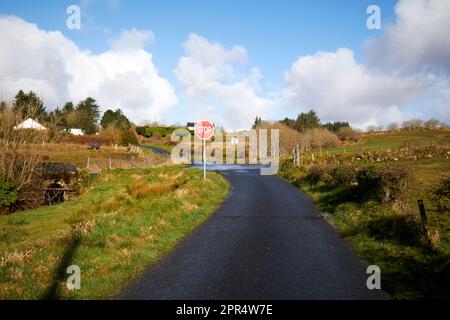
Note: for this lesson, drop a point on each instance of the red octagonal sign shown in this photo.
(204, 130)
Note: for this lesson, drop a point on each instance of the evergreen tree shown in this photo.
(117, 118)
(29, 105)
(87, 114)
(335, 126)
(307, 120)
(257, 122)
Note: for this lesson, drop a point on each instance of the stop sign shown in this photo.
(204, 130)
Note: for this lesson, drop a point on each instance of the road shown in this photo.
(155, 149)
(267, 241)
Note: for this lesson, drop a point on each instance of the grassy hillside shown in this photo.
(128, 220)
(396, 140)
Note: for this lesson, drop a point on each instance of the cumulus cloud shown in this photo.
(339, 88)
(54, 67)
(417, 41)
(215, 88)
(406, 69)
(133, 39)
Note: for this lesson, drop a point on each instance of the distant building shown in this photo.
(76, 132)
(30, 124)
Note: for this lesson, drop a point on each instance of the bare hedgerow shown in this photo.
(396, 183)
(441, 195)
(387, 184)
(320, 173)
(18, 164)
(344, 175)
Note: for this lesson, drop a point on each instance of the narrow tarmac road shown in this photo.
(266, 242)
(155, 149)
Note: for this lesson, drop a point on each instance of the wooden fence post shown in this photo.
(88, 160)
(423, 217)
(110, 163)
(294, 156)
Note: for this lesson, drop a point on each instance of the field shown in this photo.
(79, 153)
(412, 266)
(127, 220)
(395, 140)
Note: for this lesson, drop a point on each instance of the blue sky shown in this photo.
(275, 35)
(274, 32)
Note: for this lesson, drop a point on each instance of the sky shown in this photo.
(230, 61)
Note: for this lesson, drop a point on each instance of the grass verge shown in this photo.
(128, 220)
(411, 267)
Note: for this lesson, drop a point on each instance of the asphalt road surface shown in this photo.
(156, 150)
(267, 241)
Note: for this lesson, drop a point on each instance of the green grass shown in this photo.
(78, 154)
(396, 140)
(159, 145)
(411, 267)
(128, 220)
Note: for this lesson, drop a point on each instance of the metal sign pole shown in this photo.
(204, 158)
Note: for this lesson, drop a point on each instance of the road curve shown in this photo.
(267, 241)
(155, 149)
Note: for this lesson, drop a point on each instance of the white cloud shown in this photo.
(214, 86)
(133, 39)
(54, 67)
(417, 41)
(405, 70)
(338, 88)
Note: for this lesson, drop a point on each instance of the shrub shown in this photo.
(348, 134)
(128, 138)
(344, 175)
(388, 184)
(441, 195)
(321, 138)
(289, 137)
(396, 183)
(153, 131)
(8, 195)
(319, 173)
(80, 181)
(369, 181)
(88, 139)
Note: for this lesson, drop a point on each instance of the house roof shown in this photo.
(30, 124)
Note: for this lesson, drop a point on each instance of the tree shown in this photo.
(87, 114)
(257, 122)
(308, 120)
(392, 126)
(413, 124)
(68, 107)
(28, 105)
(116, 118)
(335, 126)
(289, 122)
(3, 106)
(321, 138)
(432, 124)
(348, 134)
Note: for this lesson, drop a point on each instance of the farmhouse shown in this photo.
(30, 124)
(76, 132)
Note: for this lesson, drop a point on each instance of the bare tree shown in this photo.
(393, 126)
(432, 124)
(18, 158)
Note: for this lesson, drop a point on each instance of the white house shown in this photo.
(76, 132)
(30, 124)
